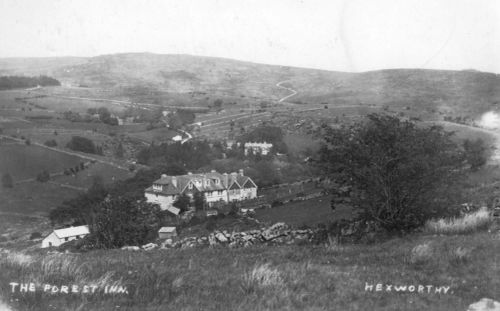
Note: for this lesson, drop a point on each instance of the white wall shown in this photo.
(53, 240)
(164, 201)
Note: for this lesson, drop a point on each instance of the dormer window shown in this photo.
(207, 182)
(157, 187)
(190, 186)
(217, 181)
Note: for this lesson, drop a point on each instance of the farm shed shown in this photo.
(167, 232)
(60, 236)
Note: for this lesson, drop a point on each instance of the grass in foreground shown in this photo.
(265, 278)
(468, 223)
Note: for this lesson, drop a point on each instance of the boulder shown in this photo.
(149, 246)
(485, 304)
(221, 237)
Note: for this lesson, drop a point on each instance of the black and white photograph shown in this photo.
(249, 155)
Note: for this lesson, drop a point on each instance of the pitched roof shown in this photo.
(174, 185)
(72, 231)
(166, 230)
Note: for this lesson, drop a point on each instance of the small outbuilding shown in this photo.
(167, 232)
(60, 236)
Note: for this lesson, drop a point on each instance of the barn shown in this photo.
(60, 236)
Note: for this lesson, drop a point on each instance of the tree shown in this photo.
(182, 202)
(7, 181)
(123, 221)
(199, 201)
(77, 211)
(401, 174)
(82, 144)
(475, 153)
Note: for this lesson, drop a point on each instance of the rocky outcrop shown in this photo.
(485, 304)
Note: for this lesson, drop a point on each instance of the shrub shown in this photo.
(468, 223)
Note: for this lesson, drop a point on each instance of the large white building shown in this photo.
(258, 148)
(214, 186)
(60, 236)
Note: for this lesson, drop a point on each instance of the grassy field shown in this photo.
(23, 162)
(323, 277)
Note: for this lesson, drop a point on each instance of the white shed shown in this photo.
(60, 236)
(167, 232)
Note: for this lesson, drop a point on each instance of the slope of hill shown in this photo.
(468, 91)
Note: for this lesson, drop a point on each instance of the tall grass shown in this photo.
(468, 223)
(262, 277)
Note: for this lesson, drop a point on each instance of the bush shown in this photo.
(82, 144)
(479, 220)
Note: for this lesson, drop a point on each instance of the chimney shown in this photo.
(241, 171)
(174, 181)
(212, 171)
(163, 176)
(189, 173)
(226, 180)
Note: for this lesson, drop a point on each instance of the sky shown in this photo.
(342, 35)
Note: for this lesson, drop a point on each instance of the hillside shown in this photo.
(466, 91)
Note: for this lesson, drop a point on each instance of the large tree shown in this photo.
(401, 174)
(123, 221)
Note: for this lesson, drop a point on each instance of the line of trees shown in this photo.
(15, 82)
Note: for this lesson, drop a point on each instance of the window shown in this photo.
(190, 186)
(217, 181)
(66, 239)
(77, 237)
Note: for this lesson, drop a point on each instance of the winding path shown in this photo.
(294, 92)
